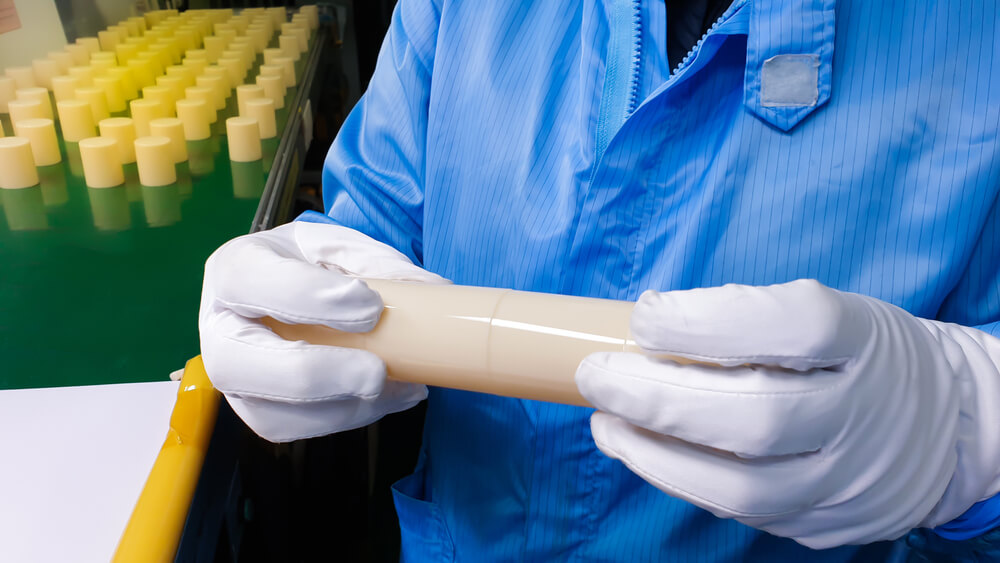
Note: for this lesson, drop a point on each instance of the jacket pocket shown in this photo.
(423, 534)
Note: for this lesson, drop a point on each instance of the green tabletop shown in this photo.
(102, 285)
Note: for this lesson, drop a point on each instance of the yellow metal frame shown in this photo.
(155, 527)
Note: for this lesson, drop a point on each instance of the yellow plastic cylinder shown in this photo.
(175, 84)
(45, 70)
(130, 88)
(63, 61)
(161, 94)
(207, 95)
(214, 46)
(185, 73)
(173, 129)
(272, 53)
(218, 86)
(80, 54)
(262, 109)
(8, 92)
(196, 65)
(64, 88)
(40, 94)
(289, 45)
(143, 111)
(153, 159)
(234, 69)
(75, 120)
(274, 89)
(98, 101)
(92, 44)
(112, 91)
(142, 72)
(122, 130)
(243, 136)
(245, 93)
(288, 67)
(25, 109)
(17, 165)
(194, 117)
(41, 135)
(102, 167)
(108, 40)
(23, 76)
(83, 74)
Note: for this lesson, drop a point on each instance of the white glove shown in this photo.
(837, 419)
(296, 273)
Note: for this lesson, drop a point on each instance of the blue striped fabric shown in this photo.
(546, 146)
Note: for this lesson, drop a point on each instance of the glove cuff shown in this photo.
(976, 521)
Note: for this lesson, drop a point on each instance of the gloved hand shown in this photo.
(830, 418)
(298, 273)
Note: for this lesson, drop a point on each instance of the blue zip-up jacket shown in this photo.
(546, 146)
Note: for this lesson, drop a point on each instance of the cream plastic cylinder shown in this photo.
(173, 129)
(143, 111)
(23, 76)
(274, 89)
(185, 73)
(245, 93)
(142, 72)
(79, 53)
(75, 120)
(45, 70)
(175, 84)
(63, 61)
(288, 67)
(41, 134)
(214, 46)
(262, 109)
(272, 53)
(194, 119)
(243, 136)
(98, 101)
(504, 342)
(162, 95)
(122, 130)
(218, 86)
(17, 165)
(40, 94)
(203, 94)
(102, 167)
(289, 45)
(25, 109)
(92, 44)
(196, 65)
(64, 88)
(154, 160)
(234, 69)
(112, 91)
(84, 74)
(8, 92)
(130, 88)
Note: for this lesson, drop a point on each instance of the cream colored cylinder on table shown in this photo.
(185, 73)
(80, 54)
(207, 95)
(143, 111)
(98, 101)
(102, 65)
(272, 53)
(92, 44)
(175, 84)
(289, 45)
(173, 129)
(122, 130)
(112, 91)
(194, 118)
(262, 109)
(108, 39)
(41, 135)
(23, 76)
(130, 89)
(197, 66)
(234, 69)
(274, 89)
(288, 68)
(17, 165)
(218, 86)
(75, 120)
(84, 74)
(142, 72)
(163, 95)
(64, 88)
(8, 92)
(498, 341)
(245, 93)
(63, 61)
(45, 70)
(214, 46)
(25, 109)
(153, 158)
(40, 94)
(102, 167)
(243, 136)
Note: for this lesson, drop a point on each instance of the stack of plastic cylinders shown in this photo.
(41, 135)
(75, 119)
(122, 131)
(40, 94)
(102, 167)
(153, 159)
(243, 136)
(17, 165)
(262, 109)
(172, 128)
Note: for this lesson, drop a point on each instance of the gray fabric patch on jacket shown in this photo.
(790, 81)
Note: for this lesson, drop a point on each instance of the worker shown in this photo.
(807, 199)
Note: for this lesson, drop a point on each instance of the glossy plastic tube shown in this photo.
(498, 341)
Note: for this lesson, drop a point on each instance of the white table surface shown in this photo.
(73, 461)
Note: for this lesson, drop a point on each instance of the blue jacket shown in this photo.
(546, 146)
